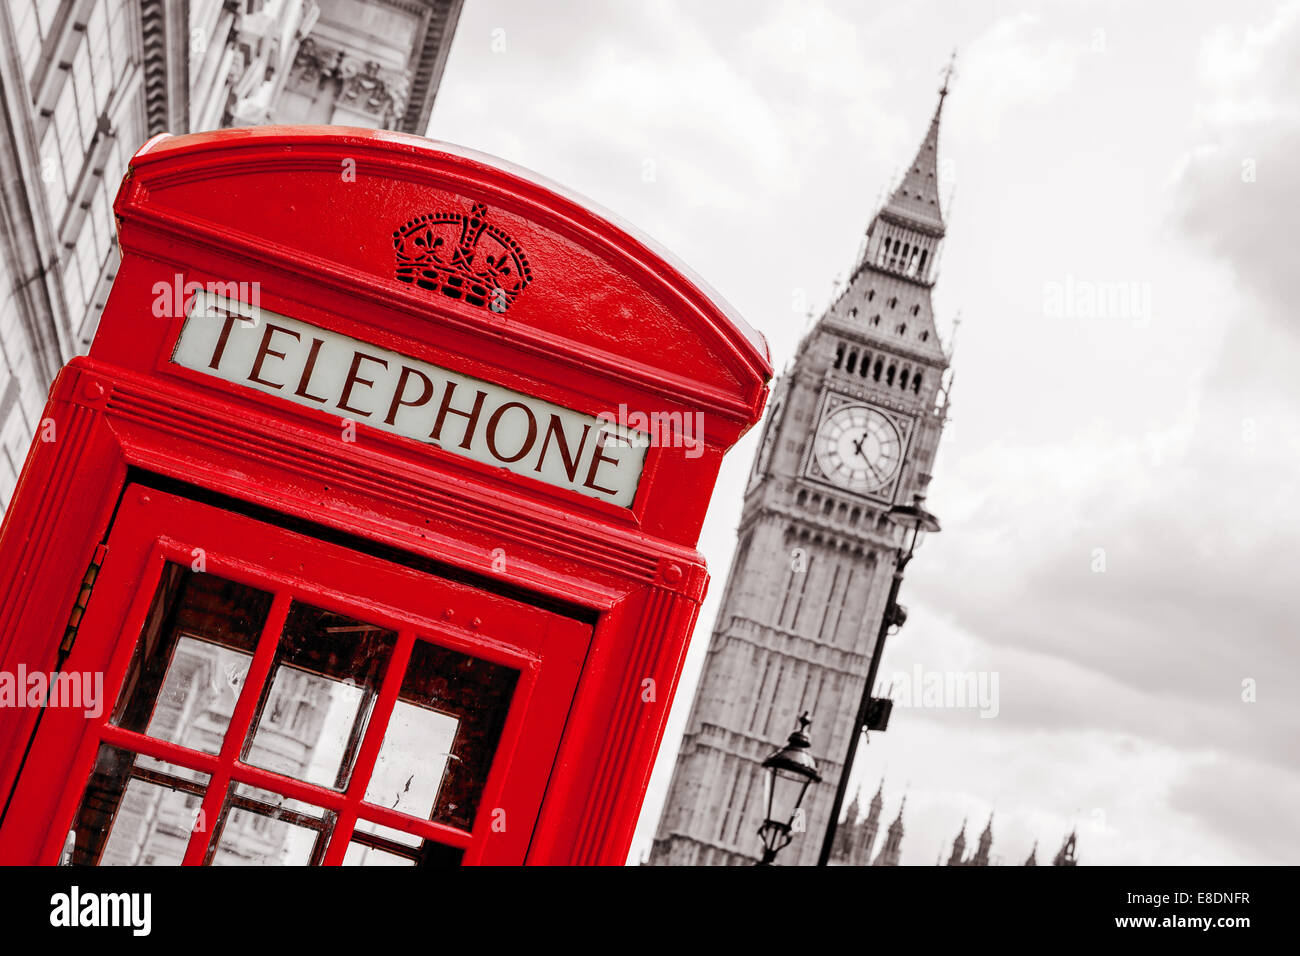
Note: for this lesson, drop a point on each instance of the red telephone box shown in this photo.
(365, 532)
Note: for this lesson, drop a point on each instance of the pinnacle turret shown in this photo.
(916, 198)
(904, 237)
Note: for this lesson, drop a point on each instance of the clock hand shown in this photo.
(857, 447)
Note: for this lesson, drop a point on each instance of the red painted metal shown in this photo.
(313, 217)
(152, 527)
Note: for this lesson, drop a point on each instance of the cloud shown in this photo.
(1195, 516)
(1248, 803)
(1016, 62)
(1240, 188)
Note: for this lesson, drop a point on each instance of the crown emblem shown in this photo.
(462, 257)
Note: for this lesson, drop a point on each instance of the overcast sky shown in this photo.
(1084, 143)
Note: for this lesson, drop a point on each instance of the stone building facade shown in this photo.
(853, 428)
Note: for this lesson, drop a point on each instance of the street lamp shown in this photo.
(915, 522)
(790, 772)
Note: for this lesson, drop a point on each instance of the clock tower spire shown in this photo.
(852, 429)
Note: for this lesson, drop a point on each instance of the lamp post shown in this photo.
(791, 771)
(915, 521)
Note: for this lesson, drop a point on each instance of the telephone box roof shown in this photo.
(338, 196)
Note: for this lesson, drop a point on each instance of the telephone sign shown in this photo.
(398, 393)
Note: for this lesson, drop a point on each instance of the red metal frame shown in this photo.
(607, 321)
(545, 648)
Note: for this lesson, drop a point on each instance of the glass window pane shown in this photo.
(388, 833)
(191, 659)
(135, 812)
(443, 733)
(249, 838)
(152, 827)
(396, 783)
(266, 828)
(287, 806)
(326, 675)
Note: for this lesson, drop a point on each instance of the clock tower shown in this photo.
(852, 428)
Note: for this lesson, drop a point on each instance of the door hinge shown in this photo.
(83, 598)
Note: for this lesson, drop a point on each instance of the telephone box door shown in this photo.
(268, 697)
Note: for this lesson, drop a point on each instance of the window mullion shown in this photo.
(370, 745)
(258, 669)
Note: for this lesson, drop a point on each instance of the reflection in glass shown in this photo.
(326, 675)
(136, 811)
(400, 784)
(191, 659)
(439, 743)
(249, 838)
(251, 797)
(262, 827)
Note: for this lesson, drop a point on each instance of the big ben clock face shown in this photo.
(858, 448)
